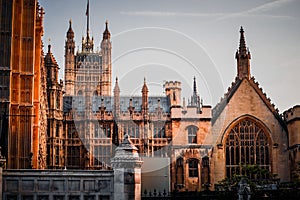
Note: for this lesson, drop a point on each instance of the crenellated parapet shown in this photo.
(173, 92)
(292, 114)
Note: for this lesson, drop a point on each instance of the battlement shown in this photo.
(172, 85)
(292, 114)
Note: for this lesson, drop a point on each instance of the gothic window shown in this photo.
(73, 156)
(102, 131)
(159, 131)
(131, 129)
(102, 155)
(193, 167)
(192, 134)
(96, 130)
(179, 172)
(247, 146)
(79, 93)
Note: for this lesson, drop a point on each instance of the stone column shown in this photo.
(127, 171)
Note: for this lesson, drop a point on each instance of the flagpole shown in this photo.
(88, 16)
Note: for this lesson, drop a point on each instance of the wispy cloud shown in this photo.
(259, 11)
(170, 14)
(270, 6)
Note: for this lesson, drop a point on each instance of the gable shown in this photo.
(243, 98)
(248, 96)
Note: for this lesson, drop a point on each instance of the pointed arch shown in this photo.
(250, 117)
(247, 144)
(179, 172)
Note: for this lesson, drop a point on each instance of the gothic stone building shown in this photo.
(204, 145)
(78, 126)
(22, 102)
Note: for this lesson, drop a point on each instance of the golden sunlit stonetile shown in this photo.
(126, 145)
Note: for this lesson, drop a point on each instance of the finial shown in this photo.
(241, 30)
(70, 22)
(144, 80)
(49, 45)
(116, 79)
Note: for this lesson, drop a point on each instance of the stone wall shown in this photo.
(57, 185)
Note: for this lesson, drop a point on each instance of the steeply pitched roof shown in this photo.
(217, 110)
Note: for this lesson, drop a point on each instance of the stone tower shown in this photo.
(55, 140)
(292, 119)
(106, 63)
(173, 92)
(69, 61)
(243, 57)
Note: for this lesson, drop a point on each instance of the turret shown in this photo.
(173, 92)
(70, 61)
(292, 119)
(51, 67)
(117, 98)
(145, 99)
(106, 62)
(243, 57)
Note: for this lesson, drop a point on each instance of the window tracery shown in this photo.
(247, 147)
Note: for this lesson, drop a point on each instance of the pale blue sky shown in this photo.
(179, 39)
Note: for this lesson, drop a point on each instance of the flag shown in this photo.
(87, 8)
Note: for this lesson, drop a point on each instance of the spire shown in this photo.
(116, 88)
(242, 48)
(145, 100)
(106, 33)
(49, 58)
(194, 97)
(70, 33)
(116, 98)
(145, 88)
(195, 86)
(243, 57)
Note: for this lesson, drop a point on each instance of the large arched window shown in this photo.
(247, 150)
(192, 134)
